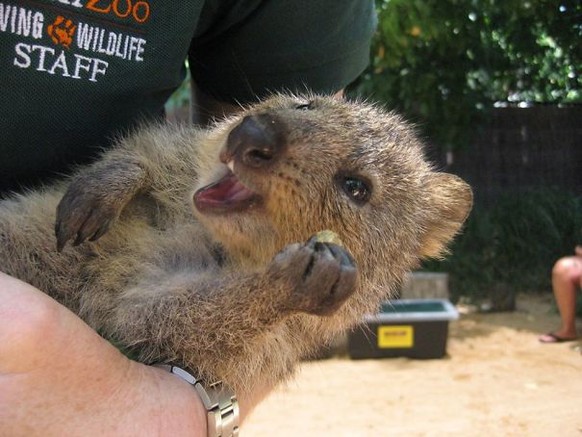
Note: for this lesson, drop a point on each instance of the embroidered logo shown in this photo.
(77, 46)
(62, 31)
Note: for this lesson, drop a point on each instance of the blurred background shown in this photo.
(496, 89)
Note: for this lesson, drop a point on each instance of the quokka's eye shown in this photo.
(305, 106)
(357, 189)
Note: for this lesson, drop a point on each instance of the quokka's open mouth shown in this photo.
(225, 195)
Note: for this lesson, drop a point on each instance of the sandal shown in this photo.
(550, 337)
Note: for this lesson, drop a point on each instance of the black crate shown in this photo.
(414, 328)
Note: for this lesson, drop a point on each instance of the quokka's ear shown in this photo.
(450, 202)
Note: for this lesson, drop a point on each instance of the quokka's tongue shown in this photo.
(228, 194)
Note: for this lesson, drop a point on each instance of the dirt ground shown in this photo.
(496, 380)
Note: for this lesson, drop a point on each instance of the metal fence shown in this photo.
(521, 149)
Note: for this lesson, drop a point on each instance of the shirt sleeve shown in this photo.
(286, 45)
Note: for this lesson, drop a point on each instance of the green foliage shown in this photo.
(444, 62)
(514, 243)
(181, 97)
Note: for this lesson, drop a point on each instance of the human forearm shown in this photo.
(58, 377)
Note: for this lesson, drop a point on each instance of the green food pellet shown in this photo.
(328, 236)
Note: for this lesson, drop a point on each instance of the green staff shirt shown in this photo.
(76, 73)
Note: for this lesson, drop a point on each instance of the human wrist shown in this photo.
(176, 404)
(247, 400)
(219, 400)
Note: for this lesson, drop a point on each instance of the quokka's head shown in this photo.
(294, 165)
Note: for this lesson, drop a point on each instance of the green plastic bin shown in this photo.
(414, 328)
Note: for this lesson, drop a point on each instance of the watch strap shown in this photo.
(222, 411)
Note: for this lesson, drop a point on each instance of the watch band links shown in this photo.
(222, 411)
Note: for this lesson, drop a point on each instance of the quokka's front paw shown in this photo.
(84, 213)
(322, 276)
(95, 199)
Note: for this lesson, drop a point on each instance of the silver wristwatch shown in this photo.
(220, 402)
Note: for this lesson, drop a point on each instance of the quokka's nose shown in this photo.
(257, 141)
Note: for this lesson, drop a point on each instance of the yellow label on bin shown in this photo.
(397, 336)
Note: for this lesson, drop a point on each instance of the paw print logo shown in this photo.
(62, 31)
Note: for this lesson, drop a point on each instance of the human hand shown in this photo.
(58, 377)
(578, 250)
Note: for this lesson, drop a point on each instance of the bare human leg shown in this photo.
(566, 277)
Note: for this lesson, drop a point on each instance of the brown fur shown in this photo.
(240, 295)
